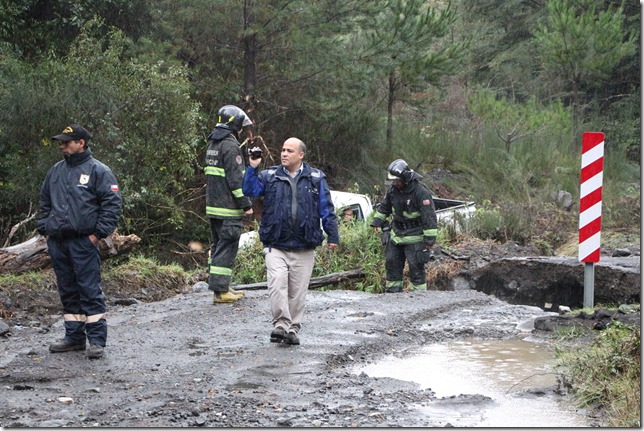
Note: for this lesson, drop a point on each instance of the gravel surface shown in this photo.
(186, 362)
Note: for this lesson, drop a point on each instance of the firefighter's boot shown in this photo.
(66, 345)
(237, 292)
(225, 297)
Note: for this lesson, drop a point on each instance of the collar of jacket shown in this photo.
(78, 158)
(280, 170)
(219, 134)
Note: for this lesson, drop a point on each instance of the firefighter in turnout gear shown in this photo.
(225, 202)
(413, 227)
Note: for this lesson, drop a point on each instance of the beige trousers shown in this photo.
(288, 273)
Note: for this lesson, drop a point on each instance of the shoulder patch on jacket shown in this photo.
(238, 159)
(427, 202)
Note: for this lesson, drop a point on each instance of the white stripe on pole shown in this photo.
(593, 154)
(592, 184)
(590, 214)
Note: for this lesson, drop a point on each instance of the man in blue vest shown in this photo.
(296, 198)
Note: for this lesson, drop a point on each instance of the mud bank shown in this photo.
(185, 362)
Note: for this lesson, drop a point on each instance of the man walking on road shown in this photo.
(225, 202)
(296, 198)
(80, 204)
(413, 230)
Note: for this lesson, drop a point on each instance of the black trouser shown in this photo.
(77, 264)
(395, 256)
(223, 251)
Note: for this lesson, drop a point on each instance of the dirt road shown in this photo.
(185, 362)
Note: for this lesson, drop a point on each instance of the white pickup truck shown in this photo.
(362, 209)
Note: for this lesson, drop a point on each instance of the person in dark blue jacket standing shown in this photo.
(296, 198)
(80, 204)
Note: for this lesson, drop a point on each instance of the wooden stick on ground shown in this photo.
(333, 278)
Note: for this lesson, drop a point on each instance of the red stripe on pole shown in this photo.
(590, 199)
(591, 140)
(592, 169)
(590, 229)
(592, 257)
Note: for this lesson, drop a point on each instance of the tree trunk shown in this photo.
(32, 255)
(575, 113)
(333, 278)
(250, 55)
(390, 110)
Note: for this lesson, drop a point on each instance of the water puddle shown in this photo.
(512, 373)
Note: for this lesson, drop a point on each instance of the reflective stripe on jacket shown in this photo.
(224, 173)
(413, 213)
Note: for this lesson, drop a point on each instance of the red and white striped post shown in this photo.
(590, 208)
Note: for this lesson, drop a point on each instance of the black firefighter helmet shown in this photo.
(230, 118)
(400, 169)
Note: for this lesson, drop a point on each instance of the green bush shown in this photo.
(141, 117)
(359, 249)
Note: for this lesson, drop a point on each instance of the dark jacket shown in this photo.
(413, 213)
(79, 197)
(224, 173)
(293, 207)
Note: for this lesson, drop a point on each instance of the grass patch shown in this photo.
(144, 279)
(359, 248)
(34, 292)
(35, 295)
(607, 374)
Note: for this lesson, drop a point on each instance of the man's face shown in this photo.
(291, 156)
(347, 215)
(398, 183)
(71, 147)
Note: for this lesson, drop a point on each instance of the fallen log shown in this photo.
(325, 280)
(32, 255)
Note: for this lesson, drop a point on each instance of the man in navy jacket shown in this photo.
(296, 198)
(80, 204)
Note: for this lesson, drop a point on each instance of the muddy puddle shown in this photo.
(485, 383)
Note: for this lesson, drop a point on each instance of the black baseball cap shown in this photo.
(73, 133)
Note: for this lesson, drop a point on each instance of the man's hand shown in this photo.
(254, 162)
(94, 239)
(331, 246)
(248, 212)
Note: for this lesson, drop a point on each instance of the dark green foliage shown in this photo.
(317, 70)
(33, 28)
(142, 121)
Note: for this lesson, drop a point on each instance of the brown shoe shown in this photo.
(225, 297)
